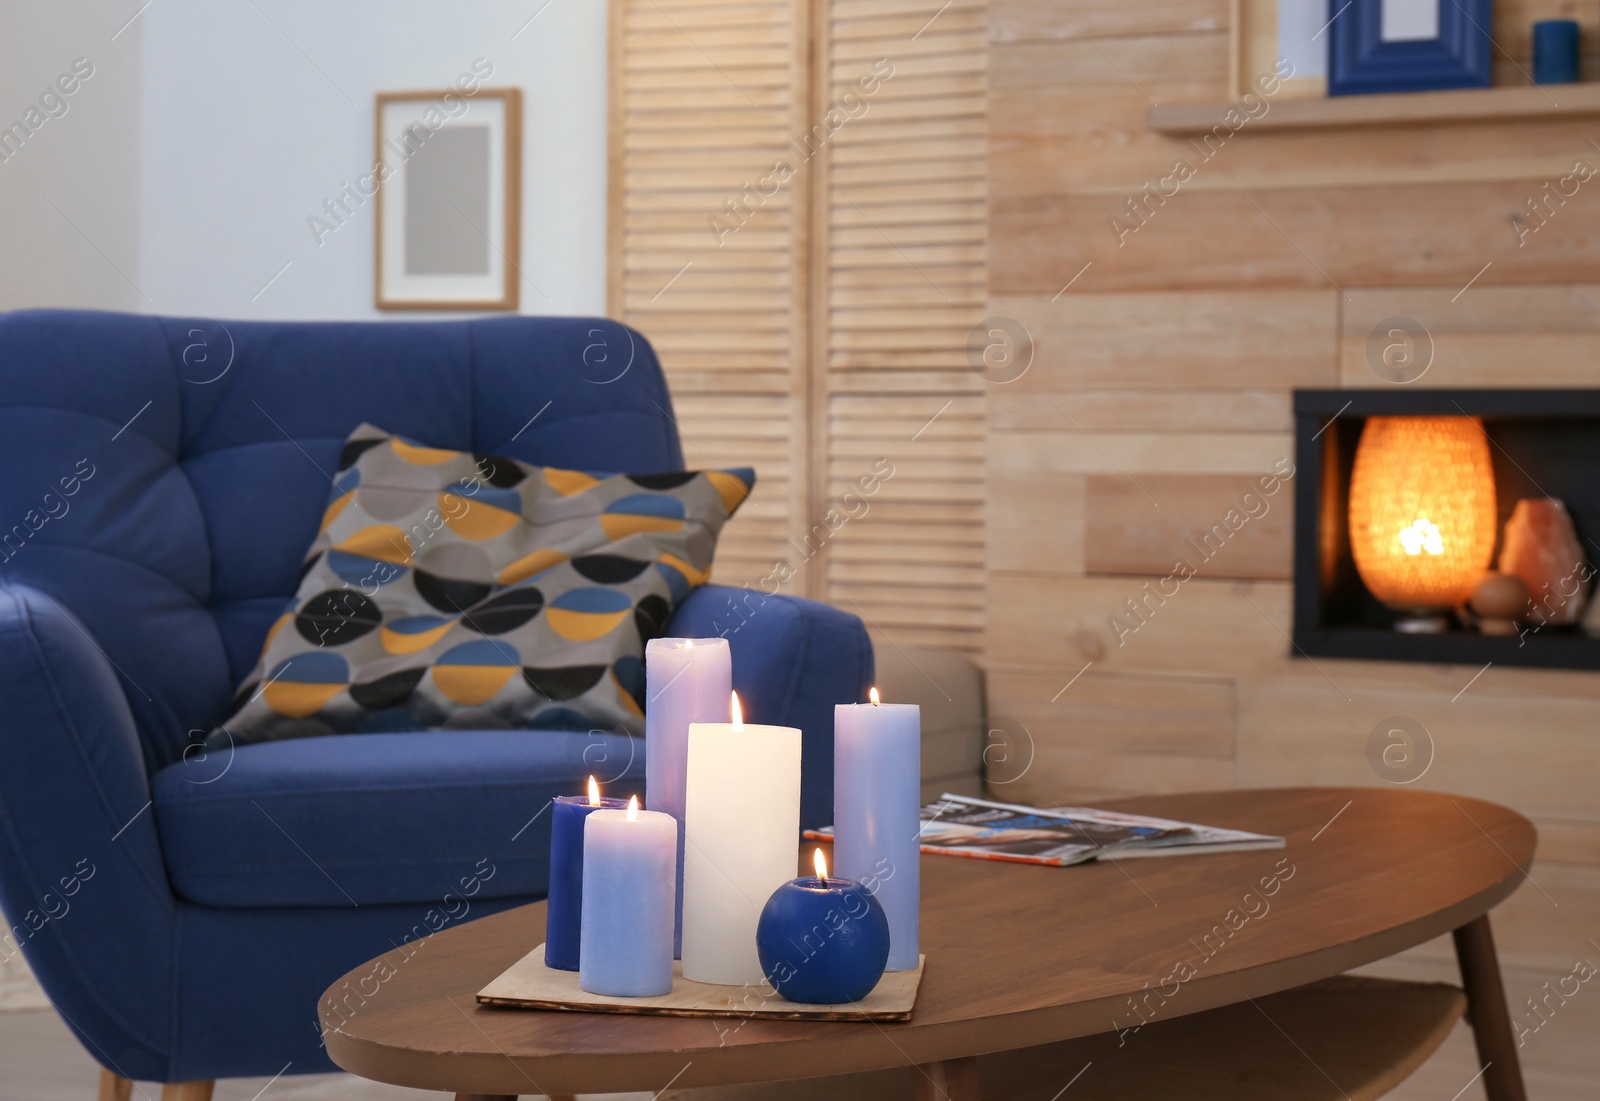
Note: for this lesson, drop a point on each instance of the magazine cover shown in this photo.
(961, 825)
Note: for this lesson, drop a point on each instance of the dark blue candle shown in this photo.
(564, 911)
(823, 941)
(1555, 51)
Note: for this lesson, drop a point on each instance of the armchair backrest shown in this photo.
(162, 478)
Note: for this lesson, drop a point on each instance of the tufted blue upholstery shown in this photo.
(160, 481)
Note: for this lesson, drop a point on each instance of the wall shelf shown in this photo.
(1559, 101)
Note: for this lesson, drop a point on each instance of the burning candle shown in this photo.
(742, 821)
(628, 861)
(877, 800)
(563, 911)
(823, 940)
(687, 680)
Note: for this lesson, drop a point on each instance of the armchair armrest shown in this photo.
(82, 882)
(793, 659)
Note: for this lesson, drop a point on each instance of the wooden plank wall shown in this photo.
(1160, 394)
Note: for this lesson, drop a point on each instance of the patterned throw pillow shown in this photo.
(447, 589)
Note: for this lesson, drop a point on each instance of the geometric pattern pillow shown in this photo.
(447, 589)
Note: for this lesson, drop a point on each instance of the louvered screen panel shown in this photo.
(901, 286)
(705, 97)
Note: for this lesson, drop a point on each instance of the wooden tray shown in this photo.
(529, 984)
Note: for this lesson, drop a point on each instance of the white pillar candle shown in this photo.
(742, 832)
(625, 946)
(877, 812)
(687, 680)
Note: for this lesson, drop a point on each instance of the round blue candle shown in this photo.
(823, 941)
(563, 913)
(1555, 51)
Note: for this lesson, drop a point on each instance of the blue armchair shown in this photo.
(159, 483)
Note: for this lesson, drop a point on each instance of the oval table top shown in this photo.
(1017, 955)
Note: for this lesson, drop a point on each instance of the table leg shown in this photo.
(1486, 1009)
(950, 1080)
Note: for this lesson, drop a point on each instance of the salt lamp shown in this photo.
(1422, 514)
(1541, 547)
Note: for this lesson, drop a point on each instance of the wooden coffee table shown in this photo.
(1018, 956)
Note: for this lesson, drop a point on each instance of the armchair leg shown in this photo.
(114, 1087)
(198, 1090)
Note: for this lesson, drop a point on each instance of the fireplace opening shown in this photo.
(1402, 546)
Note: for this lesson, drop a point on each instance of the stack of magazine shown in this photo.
(961, 825)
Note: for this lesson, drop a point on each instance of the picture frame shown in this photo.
(1408, 46)
(1266, 32)
(448, 203)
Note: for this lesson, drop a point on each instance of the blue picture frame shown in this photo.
(1360, 62)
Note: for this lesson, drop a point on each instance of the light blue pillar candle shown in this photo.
(877, 800)
(630, 862)
(687, 680)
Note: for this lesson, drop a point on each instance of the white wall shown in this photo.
(254, 116)
(69, 195)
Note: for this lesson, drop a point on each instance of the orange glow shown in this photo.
(821, 863)
(872, 694)
(633, 808)
(594, 793)
(1422, 509)
(737, 711)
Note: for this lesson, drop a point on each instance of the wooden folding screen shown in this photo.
(798, 224)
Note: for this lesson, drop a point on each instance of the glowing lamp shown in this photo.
(1422, 513)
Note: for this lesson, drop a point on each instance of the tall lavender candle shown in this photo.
(877, 799)
(687, 680)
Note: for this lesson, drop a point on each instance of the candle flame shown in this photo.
(737, 711)
(633, 808)
(594, 793)
(822, 864)
(873, 695)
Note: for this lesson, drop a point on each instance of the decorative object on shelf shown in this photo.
(1541, 547)
(447, 173)
(1555, 51)
(741, 820)
(1422, 514)
(877, 802)
(1278, 44)
(824, 941)
(629, 862)
(1497, 601)
(687, 680)
(1408, 46)
(564, 911)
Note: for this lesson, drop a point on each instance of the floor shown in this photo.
(40, 1060)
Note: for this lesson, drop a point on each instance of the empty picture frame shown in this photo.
(449, 199)
(1271, 37)
(1407, 45)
